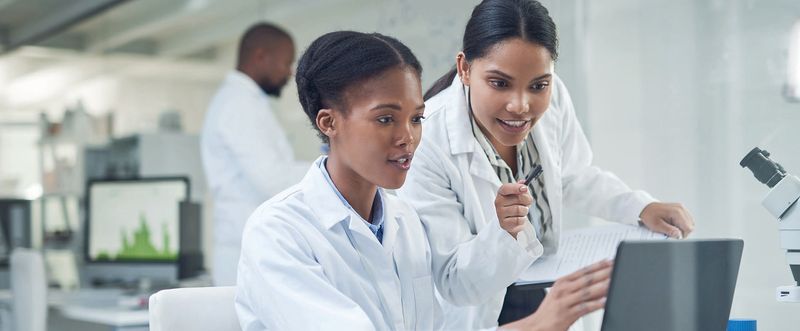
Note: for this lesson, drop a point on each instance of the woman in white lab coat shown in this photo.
(338, 252)
(480, 141)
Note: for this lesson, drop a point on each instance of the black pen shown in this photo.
(535, 173)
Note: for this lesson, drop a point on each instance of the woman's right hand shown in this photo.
(512, 204)
(570, 298)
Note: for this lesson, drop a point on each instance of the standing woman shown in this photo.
(335, 251)
(492, 120)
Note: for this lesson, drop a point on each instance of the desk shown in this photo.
(93, 310)
(90, 309)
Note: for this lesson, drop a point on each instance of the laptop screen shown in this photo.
(672, 285)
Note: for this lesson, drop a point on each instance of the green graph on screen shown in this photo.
(140, 246)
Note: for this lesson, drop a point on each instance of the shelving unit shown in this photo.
(61, 151)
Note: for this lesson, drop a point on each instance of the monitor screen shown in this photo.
(15, 223)
(134, 220)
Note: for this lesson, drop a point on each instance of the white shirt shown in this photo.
(309, 262)
(452, 186)
(247, 159)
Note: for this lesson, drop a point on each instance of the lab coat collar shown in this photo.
(321, 198)
(460, 135)
(394, 215)
(459, 130)
(240, 79)
(328, 208)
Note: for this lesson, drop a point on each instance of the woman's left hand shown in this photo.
(671, 219)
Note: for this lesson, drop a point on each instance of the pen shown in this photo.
(535, 173)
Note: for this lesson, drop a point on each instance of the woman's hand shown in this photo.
(570, 298)
(512, 204)
(671, 219)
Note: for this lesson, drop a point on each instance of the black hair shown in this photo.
(495, 21)
(337, 60)
(261, 35)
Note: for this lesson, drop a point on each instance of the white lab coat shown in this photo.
(247, 159)
(452, 186)
(299, 270)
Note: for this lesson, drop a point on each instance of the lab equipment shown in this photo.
(667, 285)
(162, 154)
(132, 228)
(28, 290)
(781, 202)
(742, 325)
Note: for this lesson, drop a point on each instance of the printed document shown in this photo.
(582, 247)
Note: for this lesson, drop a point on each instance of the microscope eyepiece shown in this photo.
(766, 171)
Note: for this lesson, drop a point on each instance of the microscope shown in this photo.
(781, 202)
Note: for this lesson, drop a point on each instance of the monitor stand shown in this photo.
(129, 275)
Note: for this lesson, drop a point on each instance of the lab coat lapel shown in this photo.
(552, 181)
(382, 260)
(361, 232)
(391, 222)
(379, 262)
(480, 168)
(461, 138)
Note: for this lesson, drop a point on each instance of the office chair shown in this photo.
(28, 290)
(197, 308)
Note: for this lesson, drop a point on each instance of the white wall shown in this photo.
(678, 92)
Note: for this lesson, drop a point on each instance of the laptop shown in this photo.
(671, 285)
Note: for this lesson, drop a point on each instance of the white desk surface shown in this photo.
(97, 306)
(101, 306)
(108, 316)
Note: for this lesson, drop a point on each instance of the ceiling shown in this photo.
(81, 39)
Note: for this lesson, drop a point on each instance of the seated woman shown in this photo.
(336, 251)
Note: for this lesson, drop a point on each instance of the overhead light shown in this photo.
(793, 69)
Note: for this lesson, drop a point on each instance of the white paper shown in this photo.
(582, 247)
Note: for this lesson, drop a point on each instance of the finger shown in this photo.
(514, 188)
(687, 222)
(587, 293)
(514, 211)
(662, 226)
(509, 223)
(564, 287)
(584, 308)
(525, 199)
(605, 264)
(587, 280)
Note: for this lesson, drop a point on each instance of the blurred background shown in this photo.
(672, 94)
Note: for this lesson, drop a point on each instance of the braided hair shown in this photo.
(338, 60)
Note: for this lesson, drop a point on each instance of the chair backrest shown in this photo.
(197, 308)
(28, 290)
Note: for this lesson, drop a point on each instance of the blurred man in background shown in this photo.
(246, 155)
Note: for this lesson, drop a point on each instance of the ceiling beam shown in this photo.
(231, 27)
(56, 20)
(146, 23)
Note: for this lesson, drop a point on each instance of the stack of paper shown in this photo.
(580, 248)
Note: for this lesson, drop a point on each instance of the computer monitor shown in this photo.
(133, 228)
(666, 285)
(15, 231)
(15, 226)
